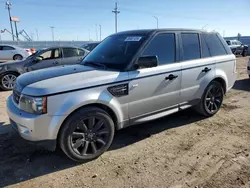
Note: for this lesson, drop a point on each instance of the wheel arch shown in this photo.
(104, 107)
(16, 55)
(222, 82)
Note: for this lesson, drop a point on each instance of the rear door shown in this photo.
(72, 55)
(50, 58)
(197, 68)
(7, 52)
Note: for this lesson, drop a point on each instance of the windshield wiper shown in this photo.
(95, 64)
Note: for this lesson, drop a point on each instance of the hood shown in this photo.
(66, 78)
(11, 62)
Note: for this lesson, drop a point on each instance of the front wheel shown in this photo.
(211, 100)
(8, 81)
(86, 134)
(244, 53)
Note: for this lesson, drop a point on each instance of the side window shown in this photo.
(163, 46)
(204, 48)
(238, 43)
(70, 52)
(47, 55)
(81, 52)
(56, 53)
(191, 46)
(87, 47)
(7, 48)
(214, 44)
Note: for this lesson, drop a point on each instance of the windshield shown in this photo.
(116, 51)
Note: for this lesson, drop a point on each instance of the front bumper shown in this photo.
(32, 127)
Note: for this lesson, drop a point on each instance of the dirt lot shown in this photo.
(182, 150)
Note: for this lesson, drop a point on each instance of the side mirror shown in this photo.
(38, 58)
(147, 61)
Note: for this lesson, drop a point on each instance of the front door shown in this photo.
(50, 58)
(156, 91)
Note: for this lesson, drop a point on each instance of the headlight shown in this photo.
(34, 105)
(1, 68)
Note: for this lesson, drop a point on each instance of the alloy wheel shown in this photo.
(213, 99)
(89, 136)
(8, 81)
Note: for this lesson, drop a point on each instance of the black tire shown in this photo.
(244, 53)
(3, 86)
(208, 107)
(17, 57)
(76, 134)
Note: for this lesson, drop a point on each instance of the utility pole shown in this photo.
(100, 32)
(96, 33)
(89, 34)
(37, 36)
(52, 31)
(8, 6)
(116, 13)
(156, 21)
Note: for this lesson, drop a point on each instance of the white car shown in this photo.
(10, 52)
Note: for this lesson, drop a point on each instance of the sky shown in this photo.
(80, 19)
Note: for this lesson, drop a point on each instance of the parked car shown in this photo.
(90, 46)
(237, 47)
(10, 52)
(131, 77)
(44, 58)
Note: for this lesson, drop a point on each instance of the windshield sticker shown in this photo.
(128, 39)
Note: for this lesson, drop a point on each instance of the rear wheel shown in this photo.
(86, 134)
(18, 57)
(8, 81)
(211, 100)
(244, 53)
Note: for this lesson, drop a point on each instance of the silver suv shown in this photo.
(129, 78)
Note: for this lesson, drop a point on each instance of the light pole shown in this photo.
(37, 36)
(116, 13)
(8, 6)
(52, 32)
(100, 32)
(156, 21)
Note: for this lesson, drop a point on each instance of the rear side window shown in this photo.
(204, 48)
(7, 48)
(70, 52)
(163, 46)
(191, 46)
(214, 44)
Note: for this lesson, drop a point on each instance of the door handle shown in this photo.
(206, 69)
(171, 77)
(55, 62)
(80, 58)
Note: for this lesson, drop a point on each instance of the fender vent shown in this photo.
(119, 90)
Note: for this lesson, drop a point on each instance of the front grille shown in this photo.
(16, 97)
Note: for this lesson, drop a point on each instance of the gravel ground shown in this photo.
(178, 151)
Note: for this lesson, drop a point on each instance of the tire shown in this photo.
(82, 142)
(7, 81)
(215, 93)
(244, 53)
(17, 57)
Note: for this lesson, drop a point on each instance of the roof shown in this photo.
(149, 31)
